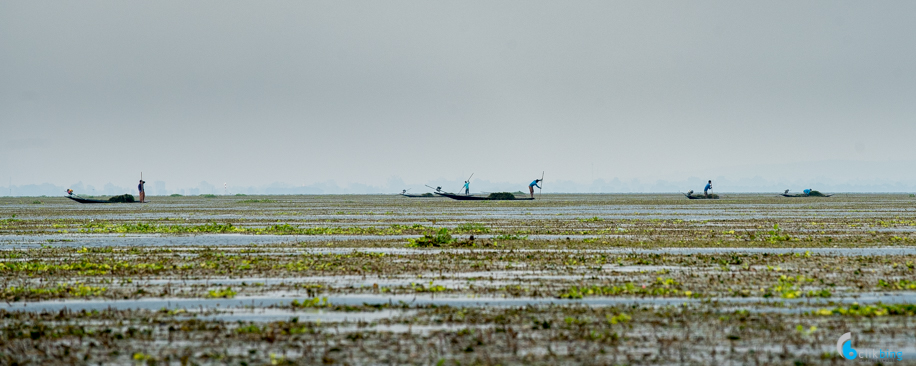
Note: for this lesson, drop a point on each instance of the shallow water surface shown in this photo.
(440, 300)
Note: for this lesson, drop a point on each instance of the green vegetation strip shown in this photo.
(279, 229)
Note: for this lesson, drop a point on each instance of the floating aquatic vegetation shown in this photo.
(277, 229)
(440, 238)
(61, 290)
(591, 219)
(501, 196)
(903, 284)
(658, 275)
(510, 237)
(124, 198)
(311, 303)
(789, 287)
(776, 235)
(875, 310)
(473, 228)
(225, 293)
(661, 287)
(419, 287)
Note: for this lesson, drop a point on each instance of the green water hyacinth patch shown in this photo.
(658, 280)
(225, 293)
(897, 285)
(59, 291)
(315, 302)
(662, 287)
(440, 238)
(874, 310)
(228, 228)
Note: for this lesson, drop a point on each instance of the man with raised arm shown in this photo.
(532, 185)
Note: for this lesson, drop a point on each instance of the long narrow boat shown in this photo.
(425, 195)
(711, 196)
(812, 193)
(86, 200)
(479, 198)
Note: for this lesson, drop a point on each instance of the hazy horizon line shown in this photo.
(395, 185)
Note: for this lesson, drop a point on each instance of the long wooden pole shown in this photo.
(540, 193)
(469, 182)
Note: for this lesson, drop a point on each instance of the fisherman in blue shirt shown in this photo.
(532, 185)
(707, 188)
(467, 188)
(807, 192)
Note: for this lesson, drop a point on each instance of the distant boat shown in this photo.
(86, 200)
(425, 195)
(501, 196)
(711, 196)
(812, 193)
(115, 199)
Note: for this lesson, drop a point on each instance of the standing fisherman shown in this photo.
(467, 188)
(142, 192)
(708, 187)
(532, 185)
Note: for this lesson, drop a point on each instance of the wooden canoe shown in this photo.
(702, 197)
(478, 198)
(87, 200)
(418, 195)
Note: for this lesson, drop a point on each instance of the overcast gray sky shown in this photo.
(300, 92)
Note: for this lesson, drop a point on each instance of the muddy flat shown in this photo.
(385, 279)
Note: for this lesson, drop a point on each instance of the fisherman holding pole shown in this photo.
(467, 185)
(532, 185)
(142, 191)
(707, 188)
